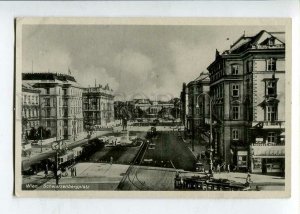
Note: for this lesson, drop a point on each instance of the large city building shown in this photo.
(247, 86)
(98, 106)
(30, 109)
(198, 104)
(154, 109)
(60, 103)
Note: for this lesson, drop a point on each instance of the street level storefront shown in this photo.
(267, 159)
(240, 156)
(242, 160)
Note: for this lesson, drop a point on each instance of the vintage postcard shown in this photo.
(153, 107)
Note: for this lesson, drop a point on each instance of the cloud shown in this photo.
(189, 59)
(44, 60)
(135, 72)
(133, 63)
(101, 75)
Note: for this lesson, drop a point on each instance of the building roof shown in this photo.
(28, 88)
(47, 76)
(202, 78)
(141, 101)
(259, 41)
(261, 38)
(42, 78)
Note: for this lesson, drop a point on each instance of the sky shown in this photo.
(136, 61)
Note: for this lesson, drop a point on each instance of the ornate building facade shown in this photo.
(247, 86)
(30, 109)
(60, 103)
(197, 104)
(98, 106)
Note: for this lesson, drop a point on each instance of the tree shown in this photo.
(32, 134)
(24, 125)
(43, 133)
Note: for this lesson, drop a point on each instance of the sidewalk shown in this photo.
(36, 149)
(91, 176)
(263, 182)
(198, 148)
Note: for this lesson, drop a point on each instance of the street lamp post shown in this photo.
(41, 104)
(210, 131)
(41, 140)
(57, 146)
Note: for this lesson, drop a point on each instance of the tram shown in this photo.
(206, 183)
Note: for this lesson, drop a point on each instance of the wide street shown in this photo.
(148, 166)
(119, 155)
(168, 150)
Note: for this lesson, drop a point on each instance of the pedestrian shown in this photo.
(224, 167)
(72, 171)
(75, 173)
(248, 179)
(218, 168)
(228, 168)
(46, 170)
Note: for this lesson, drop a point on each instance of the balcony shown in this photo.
(267, 151)
(269, 124)
(267, 46)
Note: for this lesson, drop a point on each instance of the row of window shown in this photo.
(235, 68)
(270, 112)
(30, 99)
(32, 124)
(28, 113)
(218, 91)
(271, 137)
(70, 102)
(270, 89)
(62, 123)
(64, 91)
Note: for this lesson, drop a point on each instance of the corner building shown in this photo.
(247, 86)
(198, 104)
(60, 103)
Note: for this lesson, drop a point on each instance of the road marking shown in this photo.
(172, 164)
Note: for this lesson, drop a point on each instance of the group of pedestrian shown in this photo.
(224, 167)
(73, 172)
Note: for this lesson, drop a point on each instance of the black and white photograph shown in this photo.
(174, 107)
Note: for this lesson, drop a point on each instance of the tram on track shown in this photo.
(65, 160)
(206, 183)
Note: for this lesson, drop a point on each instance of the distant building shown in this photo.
(30, 108)
(247, 86)
(154, 109)
(98, 106)
(60, 103)
(198, 104)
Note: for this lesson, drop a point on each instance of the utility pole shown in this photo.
(193, 126)
(210, 132)
(41, 139)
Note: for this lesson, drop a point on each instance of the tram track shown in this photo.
(138, 159)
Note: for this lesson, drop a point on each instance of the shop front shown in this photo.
(267, 159)
(242, 160)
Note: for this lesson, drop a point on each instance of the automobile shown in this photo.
(29, 171)
(199, 167)
(132, 137)
(148, 160)
(104, 139)
(151, 147)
